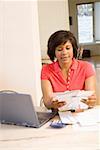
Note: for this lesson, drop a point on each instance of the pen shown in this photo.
(71, 110)
(84, 100)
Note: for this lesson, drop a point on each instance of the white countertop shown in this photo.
(47, 138)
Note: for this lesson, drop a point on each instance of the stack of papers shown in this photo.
(67, 117)
(86, 118)
(73, 99)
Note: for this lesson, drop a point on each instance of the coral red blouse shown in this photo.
(78, 73)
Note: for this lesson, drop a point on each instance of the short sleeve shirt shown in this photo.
(79, 72)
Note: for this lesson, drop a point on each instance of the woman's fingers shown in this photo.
(92, 97)
(60, 104)
(91, 101)
(56, 104)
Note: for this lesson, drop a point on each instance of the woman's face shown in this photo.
(64, 53)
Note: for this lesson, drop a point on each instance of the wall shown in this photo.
(1, 45)
(95, 48)
(53, 16)
(20, 50)
(20, 56)
(98, 84)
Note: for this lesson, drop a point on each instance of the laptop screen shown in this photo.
(18, 109)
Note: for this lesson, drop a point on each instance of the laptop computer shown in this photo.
(18, 109)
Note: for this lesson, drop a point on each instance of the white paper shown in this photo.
(67, 117)
(89, 117)
(73, 99)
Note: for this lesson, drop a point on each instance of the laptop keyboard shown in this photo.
(42, 116)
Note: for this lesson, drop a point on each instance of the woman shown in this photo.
(66, 72)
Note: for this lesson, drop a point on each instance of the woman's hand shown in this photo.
(55, 104)
(91, 101)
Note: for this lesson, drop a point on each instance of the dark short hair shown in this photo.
(58, 38)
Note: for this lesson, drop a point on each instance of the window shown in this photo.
(88, 22)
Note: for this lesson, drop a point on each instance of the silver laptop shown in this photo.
(18, 109)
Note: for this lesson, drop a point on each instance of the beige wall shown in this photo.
(98, 84)
(53, 16)
(20, 56)
(1, 45)
(20, 50)
(95, 48)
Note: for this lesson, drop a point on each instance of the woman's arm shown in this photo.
(47, 92)
(90, 84)
(48, 99)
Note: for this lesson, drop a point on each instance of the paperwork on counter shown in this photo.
(74, 101)
(89, 117)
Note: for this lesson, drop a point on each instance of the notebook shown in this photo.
(18, 109)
